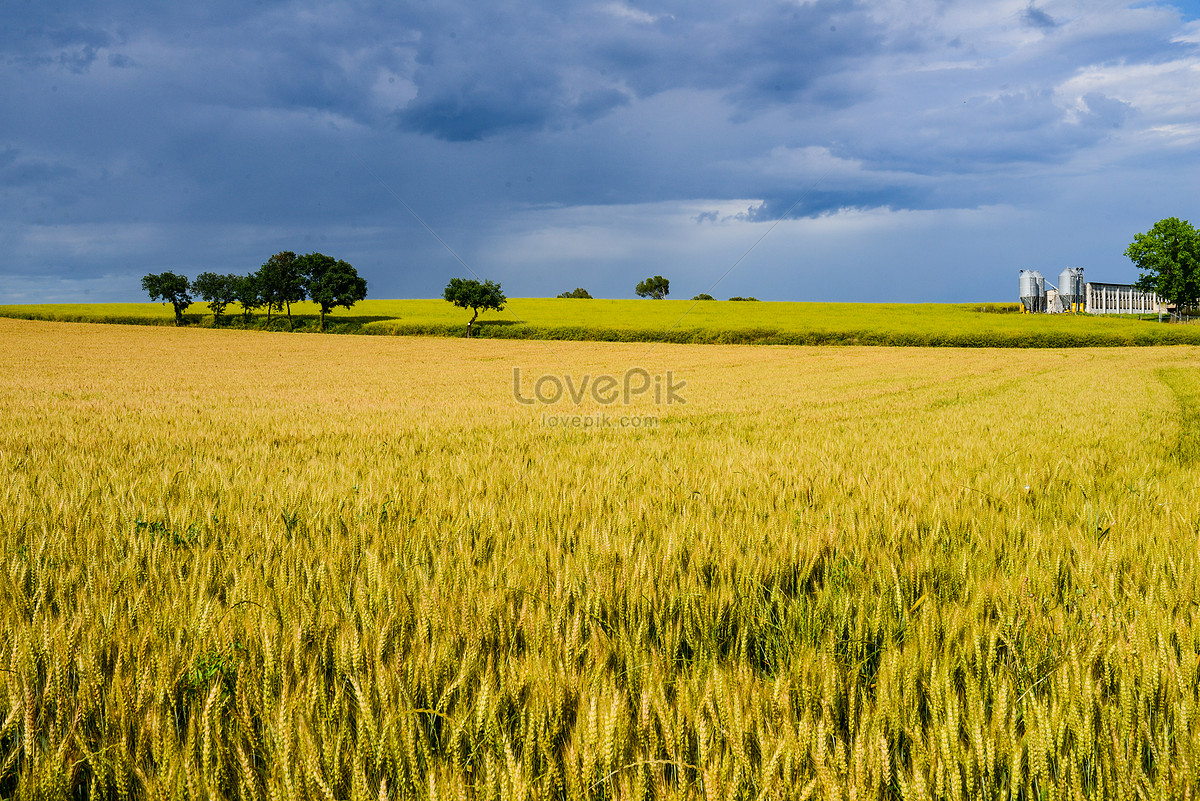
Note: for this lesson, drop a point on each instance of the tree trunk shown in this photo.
(471, 324)
(322, 320)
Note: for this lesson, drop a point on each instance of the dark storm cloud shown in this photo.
(1036, 18)
(984, 133)
(17, 171)
(815, 202)
(73, 47)
(134, 132)
(48, 34)
(231, 93)
(540, 67)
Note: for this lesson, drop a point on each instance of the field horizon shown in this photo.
(678, 321)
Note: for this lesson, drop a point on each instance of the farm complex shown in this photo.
(1073, 294)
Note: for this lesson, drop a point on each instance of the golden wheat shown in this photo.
(259, 566)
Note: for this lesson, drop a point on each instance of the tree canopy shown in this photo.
(281, 283)
(1168, 256)
(247, 294)
(656, 287)
(216, 290)
(331, 282)
(578, 292)
(169, 288)
(467, 293)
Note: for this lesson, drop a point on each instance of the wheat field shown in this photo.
(267, 566)
(678, 321)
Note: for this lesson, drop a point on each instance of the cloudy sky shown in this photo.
(909, 150)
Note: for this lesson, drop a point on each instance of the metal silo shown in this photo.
(1033, 291)
(1028, 290)
(1070, 288)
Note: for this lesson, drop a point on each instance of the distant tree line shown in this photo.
(284, 279)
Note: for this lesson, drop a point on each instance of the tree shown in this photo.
(739, 297)
(246, 293)
(169, 288)
(1168, 257)
(704, 296)
(477, 296)
(331, 283)
(217, 290)
(656, 287)
(281, 283)
(578, 292)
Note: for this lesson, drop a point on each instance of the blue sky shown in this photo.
(907, 150)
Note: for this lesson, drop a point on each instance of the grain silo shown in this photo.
(1033, 291)
(1070, 288)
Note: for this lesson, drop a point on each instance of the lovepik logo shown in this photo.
(603, 389)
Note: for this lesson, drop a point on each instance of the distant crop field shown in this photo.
(683, 322)
(246, 566)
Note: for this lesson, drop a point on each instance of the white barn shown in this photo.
(1120, 299)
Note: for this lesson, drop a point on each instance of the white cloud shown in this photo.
(1190, 33)
(1164, 92)
(629, 13)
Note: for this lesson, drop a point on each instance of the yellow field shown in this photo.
(268, 566)
(684, 322)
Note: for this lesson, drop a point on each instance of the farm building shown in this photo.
(1120, 299)
(1073, 294)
